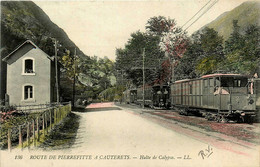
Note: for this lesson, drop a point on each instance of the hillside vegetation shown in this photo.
(23, 20)
(247, 13)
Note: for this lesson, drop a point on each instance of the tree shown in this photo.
(251, 49)
(159, 25)
(161, 36)
(242, 50)
(173, 44)
(235, 41)
(96, 74)
(212, 55)
(129, 60)
(186, 66)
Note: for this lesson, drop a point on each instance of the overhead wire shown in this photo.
(196, 13)
(208, 8)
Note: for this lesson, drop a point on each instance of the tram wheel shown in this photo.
(221, 119)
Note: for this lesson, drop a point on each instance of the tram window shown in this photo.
(205, 83)
(232, 82)
(211, 82)
(240, 82)
(237, 83)
(217, 82)
(227, 82)
(190, 88)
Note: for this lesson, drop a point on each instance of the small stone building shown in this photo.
(30, 76)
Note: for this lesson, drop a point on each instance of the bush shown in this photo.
(7, 113)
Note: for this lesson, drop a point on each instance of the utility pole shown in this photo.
(143, 77)
(74, 80)
(56, 70)
(172, 69)
(172, 63)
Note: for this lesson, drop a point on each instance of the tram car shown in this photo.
(133, 95)
(255, 87)
(130, 96)
(156, 96)
(126, 96)
(220, 97)
(161, 95)
(148, 92)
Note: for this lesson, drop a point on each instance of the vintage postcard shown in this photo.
(130, 83)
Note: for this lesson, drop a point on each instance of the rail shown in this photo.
(32, 131)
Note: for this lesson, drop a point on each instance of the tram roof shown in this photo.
(183, 80)
(212, 75)
(220, 75)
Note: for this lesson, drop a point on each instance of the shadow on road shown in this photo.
(102, 109)
(96, 109)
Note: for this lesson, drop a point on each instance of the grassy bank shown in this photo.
(63, 135)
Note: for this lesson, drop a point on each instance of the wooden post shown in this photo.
(61, 113)
(46, 120)
(28, 135)
(38, 129)
(143, 79)
(64, 111)
(50, 118)
(33, 126)
(43, 124)
(20, 137)
(54, 115)
(9, 140)
(58, 115)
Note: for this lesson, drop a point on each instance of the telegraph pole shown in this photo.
(56, 69)
(143, 77)
(74, 79)
(172, 69)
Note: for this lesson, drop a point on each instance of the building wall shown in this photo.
(2, 80)
(41, 80)
(53, 82)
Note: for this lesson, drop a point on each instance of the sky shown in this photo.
(99, 27)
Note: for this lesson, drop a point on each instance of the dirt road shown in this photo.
(110, 135)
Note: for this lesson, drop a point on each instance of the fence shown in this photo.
(34, 108)
(31, 132)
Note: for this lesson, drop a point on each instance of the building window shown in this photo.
(28, 66)
(28, 92)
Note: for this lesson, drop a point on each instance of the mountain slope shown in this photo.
(247, 13)
(21, 20)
